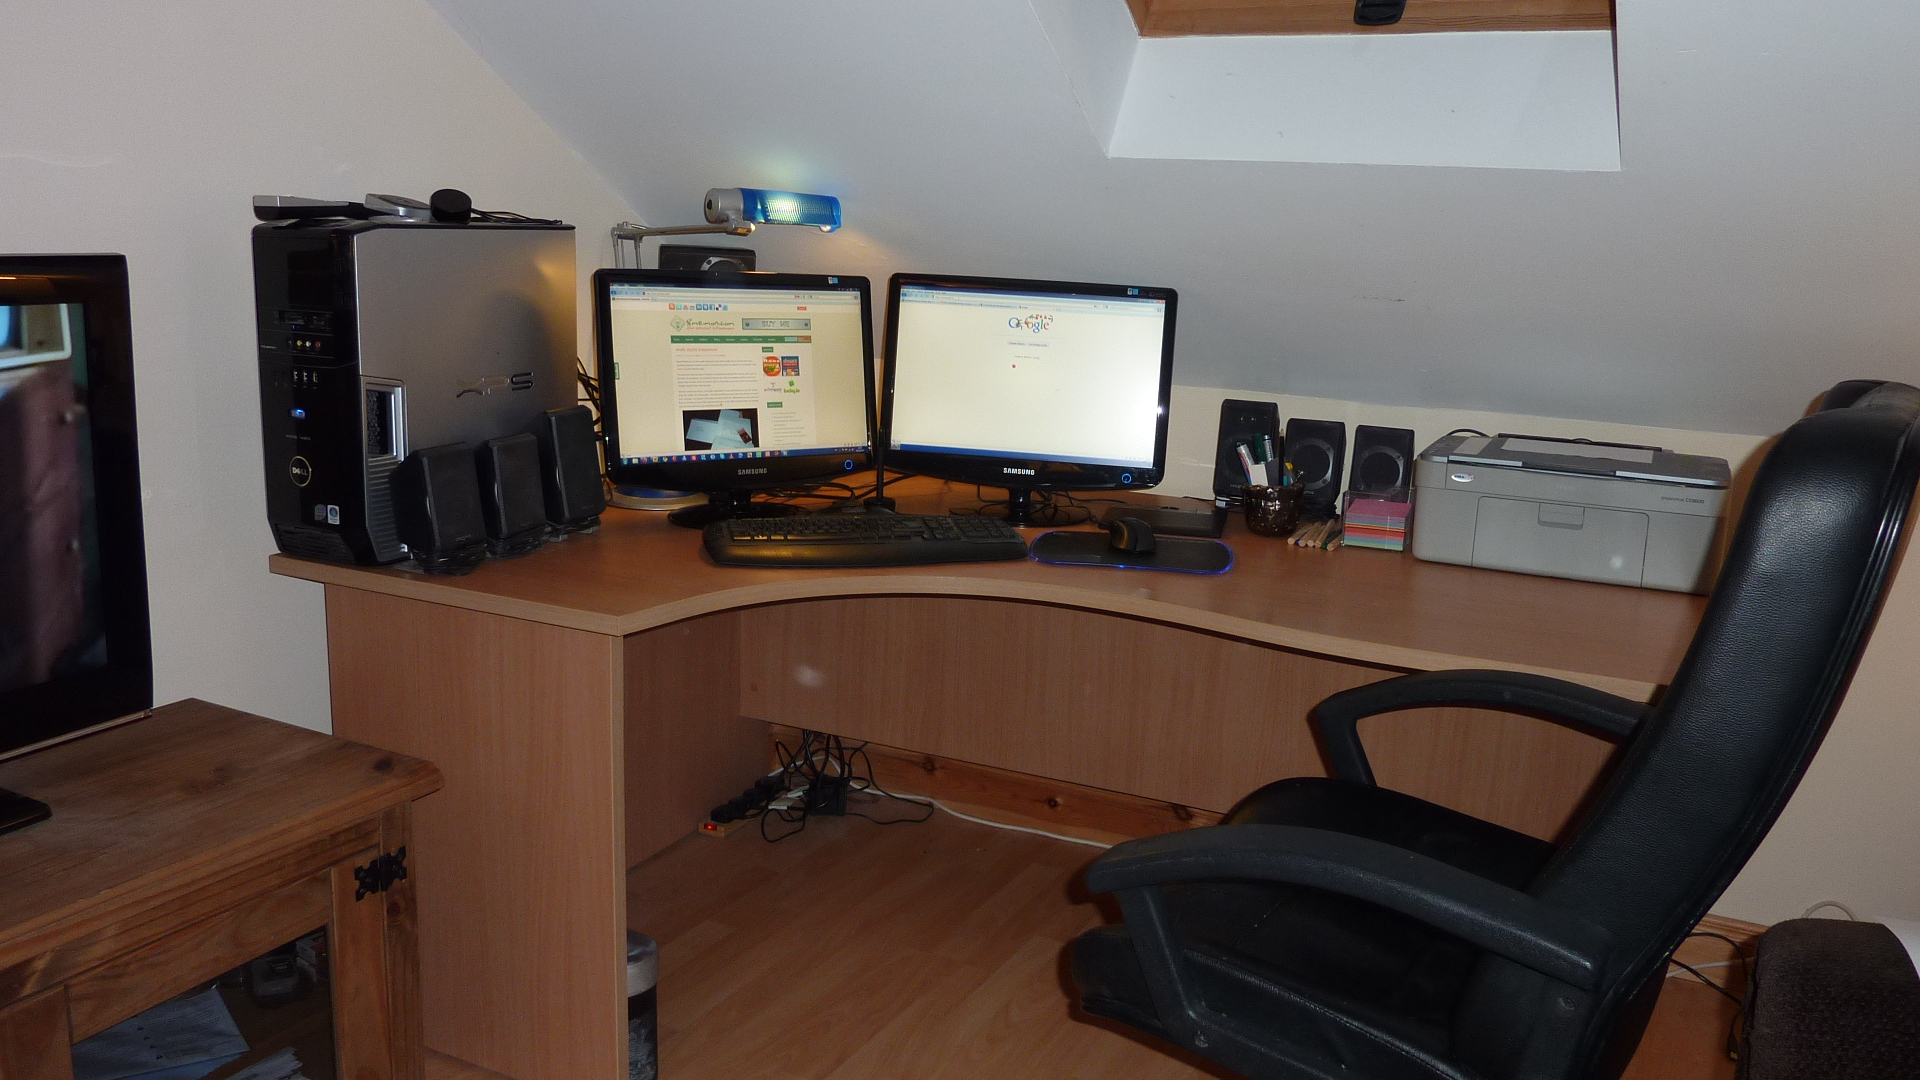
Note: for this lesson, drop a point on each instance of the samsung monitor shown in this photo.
(1028, 385)
(74, 646)
(730, 384)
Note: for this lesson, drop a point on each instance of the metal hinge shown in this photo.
(379, 875)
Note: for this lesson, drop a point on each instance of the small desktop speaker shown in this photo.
(1317, 450)
(512, 503)
(436, 504)
(1382, 462)
(1242, 422)
(570, 480)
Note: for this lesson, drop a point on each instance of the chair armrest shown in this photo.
(1501, 920)
(1338, 717)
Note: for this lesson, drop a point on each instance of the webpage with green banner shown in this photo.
(714, 372)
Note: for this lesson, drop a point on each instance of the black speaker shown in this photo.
(1317, 450)
(570, 480)
(511, 502)
(436, 507)
(1242, 422)
(1382, 462)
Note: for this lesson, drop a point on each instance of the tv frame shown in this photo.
(1021, 476)
(726, 479)
(35, 716)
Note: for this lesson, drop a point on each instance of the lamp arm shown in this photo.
(636, 232)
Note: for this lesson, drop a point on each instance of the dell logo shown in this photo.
(487, 384)
(749, 472)
(1018, 472)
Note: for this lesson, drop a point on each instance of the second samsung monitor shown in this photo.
(1028, 385)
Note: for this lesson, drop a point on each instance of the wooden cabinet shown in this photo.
(190, 842)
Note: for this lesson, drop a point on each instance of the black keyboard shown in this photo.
(862, 540)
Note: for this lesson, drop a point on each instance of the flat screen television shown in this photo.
(1028, 385)
(74, 647)
(730, 384)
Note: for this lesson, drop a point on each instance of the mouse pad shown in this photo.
(1063, 548)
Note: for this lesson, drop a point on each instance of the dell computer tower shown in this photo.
(380, 336)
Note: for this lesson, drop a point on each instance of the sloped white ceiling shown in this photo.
(1762, 240)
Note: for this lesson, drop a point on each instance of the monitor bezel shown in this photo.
(1013, 472)
(725, 475)
(48, 712)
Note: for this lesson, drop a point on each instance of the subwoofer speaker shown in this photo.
(1241, 422)
(511, 502)
(1382, 462)
(436, 505)
(1317, 450)
(570, 468)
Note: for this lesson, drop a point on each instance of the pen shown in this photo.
(1272, 461)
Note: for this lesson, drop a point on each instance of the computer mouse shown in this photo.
(1131, 535)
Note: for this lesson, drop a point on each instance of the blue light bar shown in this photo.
(790, 208)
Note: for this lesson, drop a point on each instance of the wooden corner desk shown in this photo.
(589, 703)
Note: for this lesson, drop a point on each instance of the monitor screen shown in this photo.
(716, 382)
(1029, 384)
(74, 646)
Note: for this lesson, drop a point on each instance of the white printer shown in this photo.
(1627, 515)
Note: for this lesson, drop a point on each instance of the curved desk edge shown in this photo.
(812, 587)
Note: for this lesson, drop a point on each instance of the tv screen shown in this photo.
(74, 646)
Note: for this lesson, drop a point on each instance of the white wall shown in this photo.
(146, 129)
(1761, 241)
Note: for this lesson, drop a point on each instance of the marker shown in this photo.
(1246, 462)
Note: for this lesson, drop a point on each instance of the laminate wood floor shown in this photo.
(854, 951)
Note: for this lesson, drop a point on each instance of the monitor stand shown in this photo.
(722, 505)
(17, 811)
(1019, 506)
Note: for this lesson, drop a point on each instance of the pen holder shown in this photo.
(1272, 511)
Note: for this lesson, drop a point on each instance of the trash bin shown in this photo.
(643, 1024)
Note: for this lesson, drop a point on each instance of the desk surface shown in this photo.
(638, 572)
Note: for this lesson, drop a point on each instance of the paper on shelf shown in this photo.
(278, 1066)
(182, 1039)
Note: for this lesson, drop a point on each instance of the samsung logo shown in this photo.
(749, 472)
(1019, 472)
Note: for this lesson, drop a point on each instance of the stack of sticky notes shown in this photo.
(1377, 523)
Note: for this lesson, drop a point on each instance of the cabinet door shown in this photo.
(34, 1038)
(376, 991)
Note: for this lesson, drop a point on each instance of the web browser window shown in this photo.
(708, 373)
(1001, 374)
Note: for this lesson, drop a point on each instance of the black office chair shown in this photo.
(1334, 929)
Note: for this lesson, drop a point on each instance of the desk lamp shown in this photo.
(737, 211)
